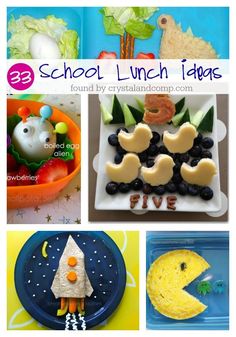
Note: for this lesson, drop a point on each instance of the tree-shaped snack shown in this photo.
(130, 24)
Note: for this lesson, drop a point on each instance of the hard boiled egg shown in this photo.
(42, 46)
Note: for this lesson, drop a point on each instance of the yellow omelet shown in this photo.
(167, 278)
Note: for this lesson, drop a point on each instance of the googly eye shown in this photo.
(45, 137)
(27, 130)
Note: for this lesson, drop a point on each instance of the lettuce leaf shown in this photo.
(112, 27)
(68, 44)
(144, 13)
(139, 30)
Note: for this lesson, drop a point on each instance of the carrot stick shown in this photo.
(72, 305)
(132, 47)
(122, 47)
(82, 304)
(127, 45)
(63, 303)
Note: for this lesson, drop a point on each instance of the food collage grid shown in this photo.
(118, 203)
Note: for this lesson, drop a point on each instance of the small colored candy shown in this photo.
(204, 287)
(61, 128)
(45, 112)
(8, 141)
(219, 287)
(23, 112)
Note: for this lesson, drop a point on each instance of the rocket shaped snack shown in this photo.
(71, 282)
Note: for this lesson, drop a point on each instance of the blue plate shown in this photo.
(34, 275)
(210, 23)
(214, 248)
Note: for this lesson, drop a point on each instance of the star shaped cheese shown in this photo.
(166, 280)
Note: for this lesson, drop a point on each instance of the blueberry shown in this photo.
(118, 158)
(170, 187)
(150, 162)
(124, 188)
(206, 154)
(147, 188)
(112, 188)
(143, 156)
(193, 190)
(155, 137)
(177, 167)
(176, 157)
(207, 142)
(184, 157)
(113, 140)
(137, 184)
(153, 150)
(177, 178)
(163, 149)
(183, 188)
(198, 139)
(121, 128)
(206, 193)
(194, 162)
(159, 190)
(195, 151)
(120, 150)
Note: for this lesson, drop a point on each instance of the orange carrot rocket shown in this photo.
(63, 303)
(72, 305)
(82, 304)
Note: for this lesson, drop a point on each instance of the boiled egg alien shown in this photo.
(34, 138)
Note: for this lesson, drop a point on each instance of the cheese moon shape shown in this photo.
(168, 276)
(201, 174)
(126, 171)
(136, 141)
(182, 140)
(161, 172)
(42, 46)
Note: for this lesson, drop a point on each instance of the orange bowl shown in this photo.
(33, 195)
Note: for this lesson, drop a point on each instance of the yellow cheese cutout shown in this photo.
(126, 171)
(161, 172)
(201, 174)
(136, 141)
(182, 140)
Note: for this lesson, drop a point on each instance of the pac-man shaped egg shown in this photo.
(136, 141)
(161, 172)
(182, 140)
(201, 174)
(126, 171)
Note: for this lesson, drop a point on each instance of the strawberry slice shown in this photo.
(107, 55)
(11, 163)
(12, 178)
(54, 169)
(145, 56)
(24, 176)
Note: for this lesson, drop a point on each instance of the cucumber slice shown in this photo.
(206, 124)
(196, 118)
(140, 104)
(177, 118)
(137, 114)
(106, 115)
(129, 119)
(117, 112)
(186, 118)
(179, 106)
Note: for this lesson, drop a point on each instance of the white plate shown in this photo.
(119, 201)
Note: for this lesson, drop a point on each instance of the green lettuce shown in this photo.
(138, 29)
(22, 30)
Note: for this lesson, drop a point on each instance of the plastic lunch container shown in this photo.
(32, 195)
(214, 247)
